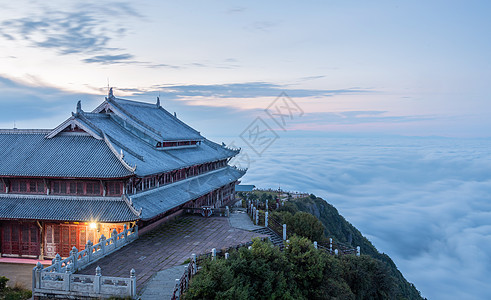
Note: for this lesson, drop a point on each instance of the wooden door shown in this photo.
(20, 239)
(60, 238)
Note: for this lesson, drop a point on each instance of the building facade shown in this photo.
(126, 162)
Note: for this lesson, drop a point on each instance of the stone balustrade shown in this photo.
(58, 279)
(75, 286)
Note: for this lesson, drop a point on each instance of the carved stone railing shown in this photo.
(76, 286)
(58, 279)
(80, 259)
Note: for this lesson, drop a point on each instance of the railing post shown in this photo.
(57, 262)
(133, 283)
(213, 253)
(226, 255)
(257, 216)
(193, 260)
(102, 240)
(284, 232)
(186, 277)
(227, 211)
(336, 252)
(114, 237)
(36, 278)
(125, 233)
(97, 280)
(358, 251)
(315, 245)
(66, 279)
(74, 255)
(178, 294)
(266, 219)
(330, 245)
(89, 248)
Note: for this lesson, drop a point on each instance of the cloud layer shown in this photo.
(74, 29)
(425, 202)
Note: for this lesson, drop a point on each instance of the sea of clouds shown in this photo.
(424, 201)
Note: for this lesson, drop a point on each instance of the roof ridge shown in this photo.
(25, 131)
(119, 156)
(178, 120)
(134, 102)
(135, 119)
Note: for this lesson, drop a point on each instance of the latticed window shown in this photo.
(93, 188)
(114, 188)
(59, 187)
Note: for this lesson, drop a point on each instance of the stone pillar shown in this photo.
(66, 279)
(133, 284)
(178, 295)
(266, 219)
(227, 211)
(102, 240)
(284, 232)
(330, 245)
(58, 262)
(194, 263)
(257, 216)
(358, 251)
(74, 254)
(336, 252)
(89, 249)
(213, 254)
(36, 276)
(315, 245)
(226, 255)
(97, 280)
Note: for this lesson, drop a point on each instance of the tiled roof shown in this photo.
(31, 154)
(159, 200)
(131, 128)
(146, 157)
(156, 118)
(65, 208)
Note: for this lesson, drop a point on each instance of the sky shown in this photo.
(417, 68)
(360, 70)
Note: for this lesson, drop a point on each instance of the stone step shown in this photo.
(273, 237)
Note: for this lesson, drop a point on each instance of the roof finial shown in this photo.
(111, 95)
(158, 100)
(175, 115)
(79, 106)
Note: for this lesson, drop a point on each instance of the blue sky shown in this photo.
(352, 68)
(414, 67)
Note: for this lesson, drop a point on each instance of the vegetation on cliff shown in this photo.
(301, 271)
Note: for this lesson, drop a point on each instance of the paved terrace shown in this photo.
(171, 244)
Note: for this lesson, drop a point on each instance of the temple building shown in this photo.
(125, 162)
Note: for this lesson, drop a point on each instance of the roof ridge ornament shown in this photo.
(110, 94)
(79, 107)
(158, 101)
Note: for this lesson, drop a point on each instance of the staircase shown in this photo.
(273, 237)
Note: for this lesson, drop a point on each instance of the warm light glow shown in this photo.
(93, 225)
